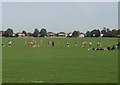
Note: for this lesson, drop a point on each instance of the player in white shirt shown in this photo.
(9, 44)
(67, 44)
(90, 43)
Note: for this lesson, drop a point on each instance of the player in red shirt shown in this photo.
(98, 43)
(84, 43)
(30, 43)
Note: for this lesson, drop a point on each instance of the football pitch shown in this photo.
(59, 64)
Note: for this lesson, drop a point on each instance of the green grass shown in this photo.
(59, 64)
(1, 61)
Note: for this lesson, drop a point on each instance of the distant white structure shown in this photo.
(62, 34)
(101, 35)
(82, 35)
(13, 34)
(50, 34)
(21, 35)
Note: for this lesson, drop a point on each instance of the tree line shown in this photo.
(105, 32)
(9, 33)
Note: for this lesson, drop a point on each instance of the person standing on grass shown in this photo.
(76, 44)
(50, 43)
(30, 43)
(118, 45)
(34, 43)
(53, 44)
(84, 43)
(3, 44)
(67, 44)
(98, 43)
(9, 44)
(90, 43)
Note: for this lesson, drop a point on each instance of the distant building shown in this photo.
(82, 35)
(51, 34)
(101, 35)
(29, 34)
(61, 34)
(18, 35)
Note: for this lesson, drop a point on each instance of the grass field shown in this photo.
(59, 64)
(1, 61)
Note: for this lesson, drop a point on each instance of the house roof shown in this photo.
(61, 33)
(50, 33)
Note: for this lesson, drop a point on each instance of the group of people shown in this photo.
(108, 48)
(51, 43)
(99, 44)
(30, 43)
(33, 43)
(84, 44)
(9, 44)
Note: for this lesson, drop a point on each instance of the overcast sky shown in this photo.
(59, 16)
(0, 15)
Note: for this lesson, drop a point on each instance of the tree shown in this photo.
(104, 32)
(88, 33)
(24, 32)
(43, 32)
(16, 35)
(8, 32)
(95, 33)
(3, 33)
(76, 34)
(29, 34)
(36, 33)
(109, 33)
(114, 33)
(118, 32)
